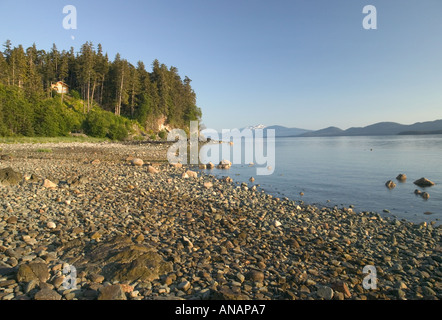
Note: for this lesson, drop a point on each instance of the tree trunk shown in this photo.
(101, 92)
(132, 102)
(121, 94)
(92, 95)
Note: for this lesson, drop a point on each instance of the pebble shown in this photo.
(51, 225)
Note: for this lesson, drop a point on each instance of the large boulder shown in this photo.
(33, 271)
(120, 259)
(224, 164)
(9, 177)
(47, 294)
(112, 292)
(424, 182)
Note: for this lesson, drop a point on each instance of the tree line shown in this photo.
(117, 86)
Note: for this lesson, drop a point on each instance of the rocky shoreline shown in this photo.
(134, 233)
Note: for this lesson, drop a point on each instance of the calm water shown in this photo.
(345, 171)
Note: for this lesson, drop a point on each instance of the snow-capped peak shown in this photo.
(259, 126)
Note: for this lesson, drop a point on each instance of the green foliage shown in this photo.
(44, 150)
(163, 134)
(16, 113)
(74, 94)
(104, 124)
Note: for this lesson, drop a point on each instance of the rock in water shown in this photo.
(426, 195)
(9, 177)
(390, 184)
(210, 166)
(224, 164)
(402, 177)
(424, 182)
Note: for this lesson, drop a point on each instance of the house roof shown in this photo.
(62, 83)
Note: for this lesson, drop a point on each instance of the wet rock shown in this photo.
(210, 166)
(402, 177)
(390, 184)
(224, 164)
(425, 195)
(424, 182)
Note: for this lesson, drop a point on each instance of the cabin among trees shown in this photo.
(60, 87)
(149, 96)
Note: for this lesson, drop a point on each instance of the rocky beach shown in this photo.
(126, 229)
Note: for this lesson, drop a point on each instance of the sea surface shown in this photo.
(344, 171)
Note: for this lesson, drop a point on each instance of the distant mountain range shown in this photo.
(378, 129)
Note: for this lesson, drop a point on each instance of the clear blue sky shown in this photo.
(297, 63)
